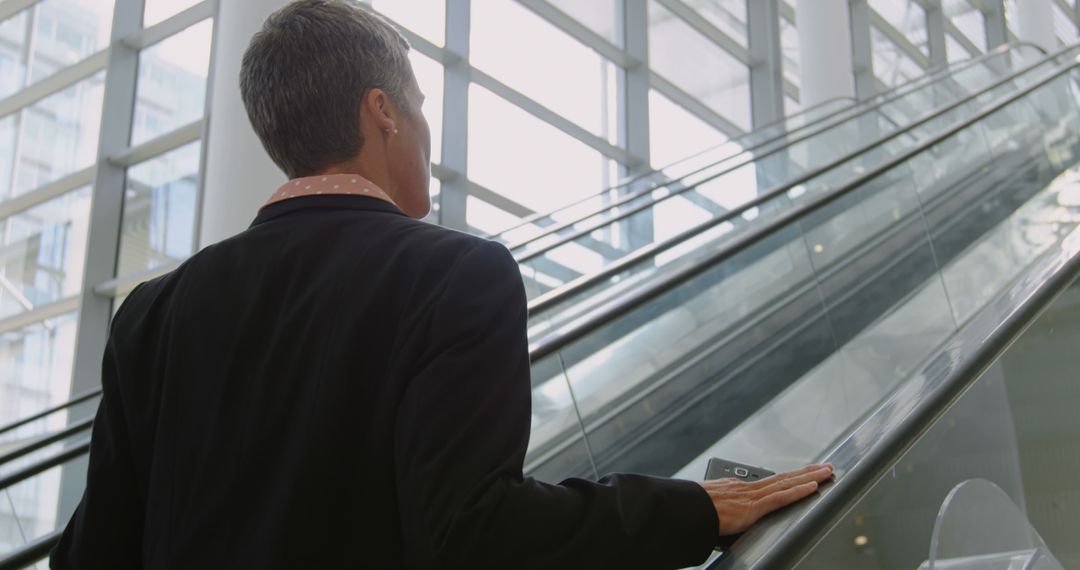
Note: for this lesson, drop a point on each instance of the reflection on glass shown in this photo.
(675, 133)
(1014, 427)
(35, 366)
(725, 88)
(526, 159)
(52, 138)
(159, 211)
(172, 82)
(50, 36)
(598, 15)
(156, 11)
(423, 17)
(511, 43)
(42, 252)
(429, 75)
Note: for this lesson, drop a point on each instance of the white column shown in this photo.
(825, 64)
(239, 175)
(1036, 23)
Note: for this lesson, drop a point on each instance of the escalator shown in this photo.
(861, 268)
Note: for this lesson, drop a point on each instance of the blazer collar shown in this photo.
(324, 202)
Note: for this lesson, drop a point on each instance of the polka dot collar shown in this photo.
(342, 184)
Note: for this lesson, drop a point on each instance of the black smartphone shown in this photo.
(720, 468)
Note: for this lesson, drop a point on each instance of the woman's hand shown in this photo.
(739, 504)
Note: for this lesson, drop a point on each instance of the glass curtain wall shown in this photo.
(54, 70)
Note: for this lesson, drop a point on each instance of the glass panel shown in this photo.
(424, 17)
(156, 11)
(675, 133)
(63, 33)
(429, 75)
(159, 211)
(891, 65)
(725, 89)
(172, 82)
(504, 39)
(563, 168)
(908, 17)
(598, 15)
(485, 217)
(1015, 427)
(43, 251)
(780, 346)
(50, 139)
(35, 366)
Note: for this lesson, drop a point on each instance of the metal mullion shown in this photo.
(862, 50)
(46, 192)
(455, 135)
(538, 110)
(707, 29)
(175, 24)
(958, 36)
(582, 33)
(157, 146)
(9, 8)
(124, 284)
(889, 31)
(500, 201)
(1069, 12)
(767, 85)
(106, 211)
(935, 32)
(695, 107)
(38, 314)
(997, 32)
(54, 83)
(204, 134)
(442, 173)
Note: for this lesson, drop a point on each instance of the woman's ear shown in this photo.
(380, 110)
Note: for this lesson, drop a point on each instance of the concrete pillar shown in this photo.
(825, 63)
(239, 175)
(1036, 23)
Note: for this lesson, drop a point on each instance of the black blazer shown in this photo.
(340, 386)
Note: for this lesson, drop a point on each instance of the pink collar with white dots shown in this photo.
(344, 184)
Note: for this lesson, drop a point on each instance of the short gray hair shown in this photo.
(304, 74)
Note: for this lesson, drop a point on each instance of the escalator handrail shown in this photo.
(75, 428)
(879, 441)
(857, 108)
(74, 450)
(555, 296)
(57, 408)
